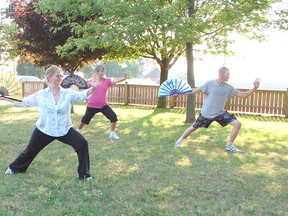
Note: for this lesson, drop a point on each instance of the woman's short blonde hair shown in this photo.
(51, 70)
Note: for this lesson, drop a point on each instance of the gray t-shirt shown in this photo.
(216, 96)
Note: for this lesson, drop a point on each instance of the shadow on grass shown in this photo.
(154, 137)
(144, 174)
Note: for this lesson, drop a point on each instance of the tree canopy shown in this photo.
(37, 40)
(28, 69)
(159, 29)
(7, 41)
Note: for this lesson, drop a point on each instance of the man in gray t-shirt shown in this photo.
(217, 92)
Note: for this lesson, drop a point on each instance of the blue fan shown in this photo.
(172, 87)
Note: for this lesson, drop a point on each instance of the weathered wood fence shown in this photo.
(261, 102)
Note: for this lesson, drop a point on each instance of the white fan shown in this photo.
(10, 86)
(172, 87)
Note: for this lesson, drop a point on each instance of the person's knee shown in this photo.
(237, 124)
(83, 145)
(113, 118)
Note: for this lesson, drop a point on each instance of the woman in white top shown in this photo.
(54, 123)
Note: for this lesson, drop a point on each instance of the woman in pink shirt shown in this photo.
(98, 101)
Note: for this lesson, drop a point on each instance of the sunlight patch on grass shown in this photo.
(135, 149)
(266, 145)
(218, 155)
(119, 166)
(269, 157)
(184, 162)
(164, 207)
(202, 139)
(15, 118)
(259, 168)
(126, 131)
(274, 189)
(40, 192)
(275, 155)
(256, 146)
(127, 112)
(129, 119)
(73, 154)
(202, 152)
(133, 169)
(43, 192)
(146, 124)
(56, 162)
(162, 193)
(141, 133)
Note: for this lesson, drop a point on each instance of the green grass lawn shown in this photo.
(143, 173)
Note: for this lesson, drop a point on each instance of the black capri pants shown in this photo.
(39, 141)
(106, 111)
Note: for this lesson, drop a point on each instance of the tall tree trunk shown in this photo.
(190, 112)
(163, 76)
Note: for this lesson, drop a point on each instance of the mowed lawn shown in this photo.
(143, 173)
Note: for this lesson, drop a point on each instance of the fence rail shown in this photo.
(261, 102)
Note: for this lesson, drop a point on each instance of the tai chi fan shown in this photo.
(10, 86)
(74, 81)
(172, 87)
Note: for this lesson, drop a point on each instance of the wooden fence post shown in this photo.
(285, 105)
(227, 105)
(23, 90)
(126, 94)
(172, 101)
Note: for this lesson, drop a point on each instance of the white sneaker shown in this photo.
(89, 178)
(178, 143)
(9, 172)
(86, 179)
(78, 130)
(231, 148)
(114, 136)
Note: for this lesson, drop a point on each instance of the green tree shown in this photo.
(161, 29)
(27, 68)
(116, 69)
(37, 40)
(7, 41)
(282, 22)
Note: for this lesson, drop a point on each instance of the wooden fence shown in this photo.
(261, 102)
(29, 87)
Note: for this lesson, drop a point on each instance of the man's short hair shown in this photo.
(223, 70)
(100, 68)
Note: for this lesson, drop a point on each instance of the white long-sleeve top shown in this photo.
(54, 119)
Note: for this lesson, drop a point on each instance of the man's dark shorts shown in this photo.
(223, 119)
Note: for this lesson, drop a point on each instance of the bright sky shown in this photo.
(267, 60)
